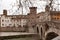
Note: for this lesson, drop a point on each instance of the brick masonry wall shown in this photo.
(12, 29)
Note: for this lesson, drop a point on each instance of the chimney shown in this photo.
(33, 10)
(5, 12)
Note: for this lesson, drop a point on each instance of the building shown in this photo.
(12, 21)
(48, 24)
(42, 23)
(32, 18)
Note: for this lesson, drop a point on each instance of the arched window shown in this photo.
(33, 26)
(41, 31)
(37, 30)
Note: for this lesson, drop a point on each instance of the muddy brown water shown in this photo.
(18, 36)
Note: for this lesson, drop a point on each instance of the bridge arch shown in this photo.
(57, 31)
(51, 35)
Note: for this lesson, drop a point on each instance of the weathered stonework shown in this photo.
(41, 23)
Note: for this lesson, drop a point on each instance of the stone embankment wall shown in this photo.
(12, 29)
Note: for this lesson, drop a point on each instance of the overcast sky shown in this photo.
(7, 4)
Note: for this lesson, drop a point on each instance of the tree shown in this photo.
(21, 4)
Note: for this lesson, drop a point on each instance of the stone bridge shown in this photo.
(53, 30)
(48, 30)
(57, 31)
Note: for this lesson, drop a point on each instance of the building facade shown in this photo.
(13, 20)
(43, 23)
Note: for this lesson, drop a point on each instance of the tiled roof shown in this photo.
(55, 13)
(18, 16)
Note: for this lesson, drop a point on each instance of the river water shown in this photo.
(17, 36)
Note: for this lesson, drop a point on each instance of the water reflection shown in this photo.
(17, 36)
(13, 33)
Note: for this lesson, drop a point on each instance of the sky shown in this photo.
(11, 6)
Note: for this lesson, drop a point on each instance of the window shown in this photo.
(2, 20)
(57, 18)
(2, 24)
(37, 30)
(17, 24)
(54, 18)
(6, 20)
(9, 24)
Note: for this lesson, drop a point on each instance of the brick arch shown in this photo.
(38, 28)
(57, 31)
(41, 29)
(52, 28)
(51, 35)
